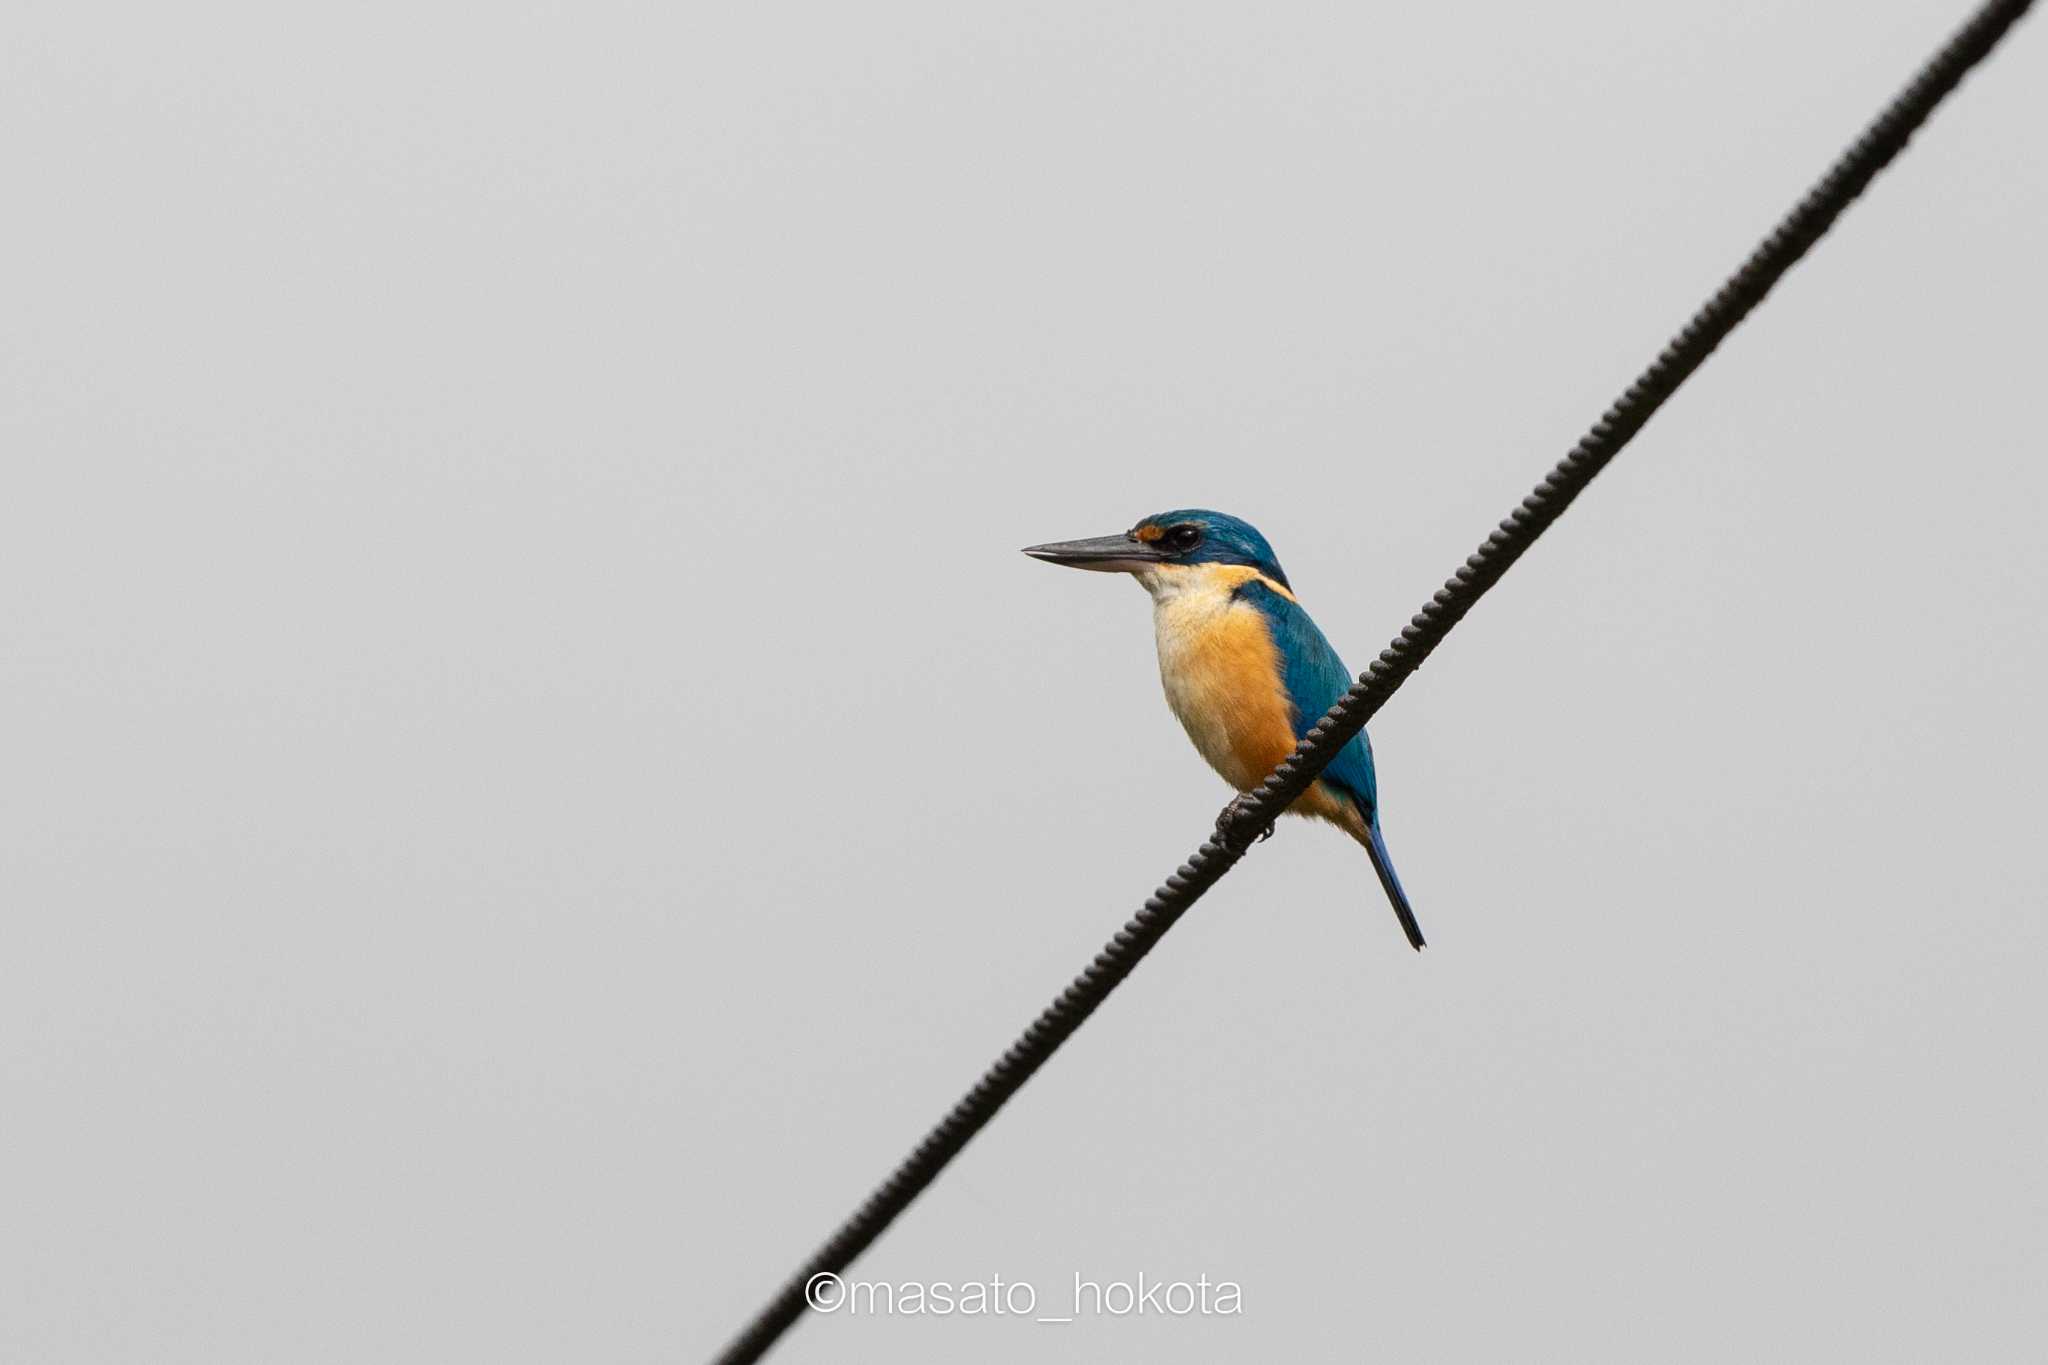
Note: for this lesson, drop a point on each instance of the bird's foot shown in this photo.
(1230, 826)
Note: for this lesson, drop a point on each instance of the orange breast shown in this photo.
(1222, 678)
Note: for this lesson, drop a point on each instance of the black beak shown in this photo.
(1104, 554)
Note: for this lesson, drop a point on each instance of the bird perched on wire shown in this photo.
(1245, 668)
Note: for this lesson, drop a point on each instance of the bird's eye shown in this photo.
(1184, 538)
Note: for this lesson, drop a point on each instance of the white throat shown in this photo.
(1169, 582)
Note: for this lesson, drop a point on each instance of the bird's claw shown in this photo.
(1229, 826)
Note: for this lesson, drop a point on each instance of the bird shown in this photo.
(1246, 669)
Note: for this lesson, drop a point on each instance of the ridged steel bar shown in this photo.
(1245, 817)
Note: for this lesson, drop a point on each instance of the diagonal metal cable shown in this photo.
(1240, 822)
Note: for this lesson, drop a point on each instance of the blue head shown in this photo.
(1190, 536)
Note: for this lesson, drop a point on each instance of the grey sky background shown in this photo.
(534, 769)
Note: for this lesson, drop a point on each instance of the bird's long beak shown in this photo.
(1104, 554)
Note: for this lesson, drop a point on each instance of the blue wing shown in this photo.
(1315, 677)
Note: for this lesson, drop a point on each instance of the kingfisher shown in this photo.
(1245, 668)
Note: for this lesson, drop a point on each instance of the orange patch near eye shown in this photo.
(1148, 534)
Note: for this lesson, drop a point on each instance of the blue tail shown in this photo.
(1382, 864)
